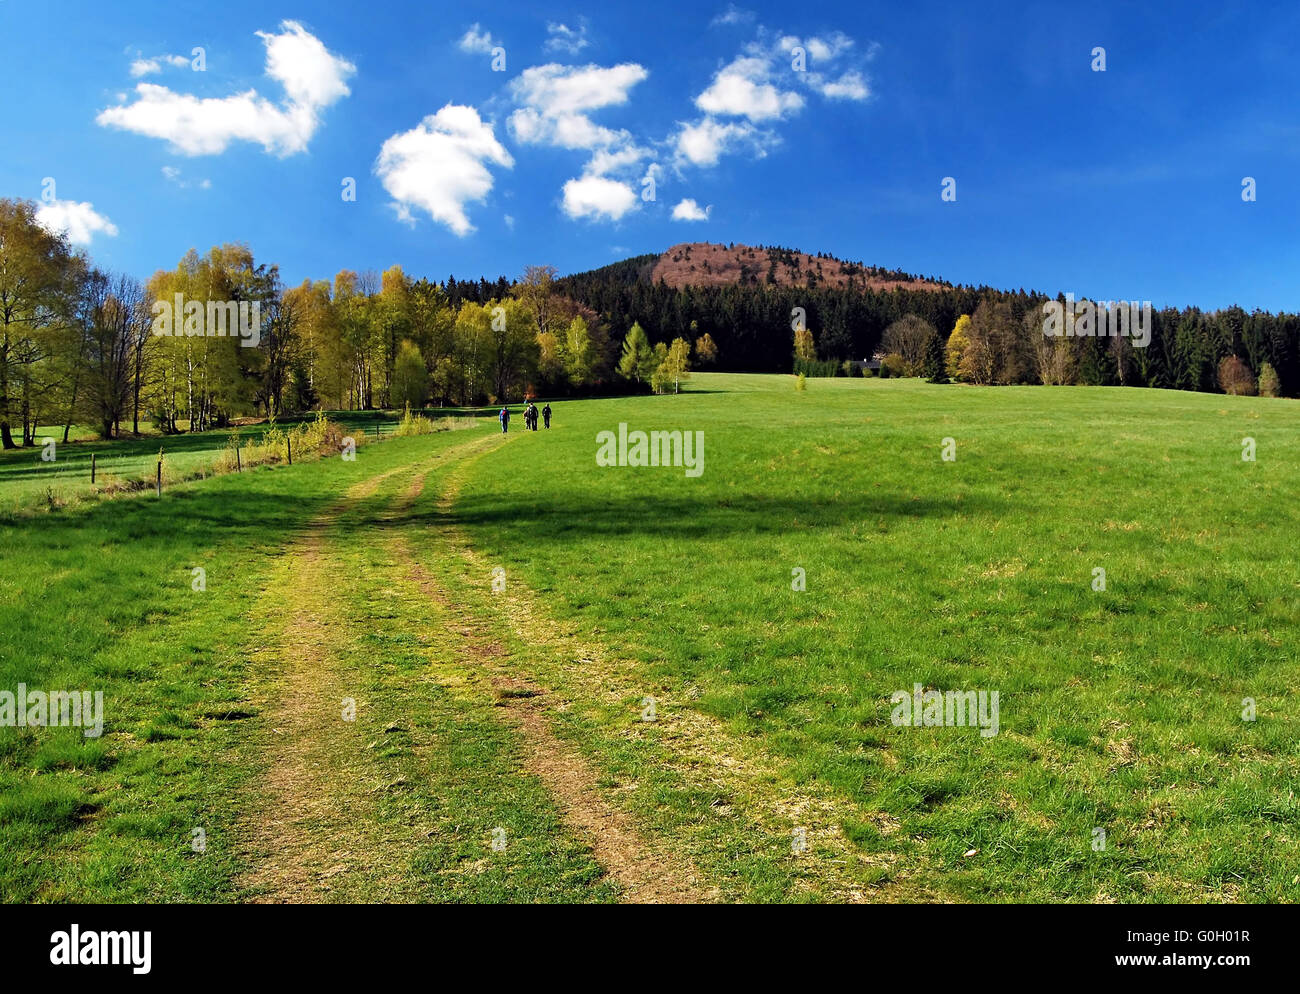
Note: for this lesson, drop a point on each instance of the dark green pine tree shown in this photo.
(935, 355)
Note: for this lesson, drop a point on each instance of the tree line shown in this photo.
(754, 329)
(81, 346)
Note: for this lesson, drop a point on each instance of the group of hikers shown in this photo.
(530, 417)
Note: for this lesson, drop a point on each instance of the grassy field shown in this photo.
(585, 683)
(27, 479)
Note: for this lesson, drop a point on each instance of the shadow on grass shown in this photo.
(556, 519)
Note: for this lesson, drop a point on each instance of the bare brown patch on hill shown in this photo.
(709, 264)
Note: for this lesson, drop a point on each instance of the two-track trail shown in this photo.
(457, 696)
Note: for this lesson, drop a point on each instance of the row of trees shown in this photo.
(80, 346)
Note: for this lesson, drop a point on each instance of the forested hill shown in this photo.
(745, 297)
(745, 300)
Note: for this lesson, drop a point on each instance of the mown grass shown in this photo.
(101, 598)
(28, 481)
(1120, 710)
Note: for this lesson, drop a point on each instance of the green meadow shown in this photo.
(533, 640)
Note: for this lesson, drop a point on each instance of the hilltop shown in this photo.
(710, 264)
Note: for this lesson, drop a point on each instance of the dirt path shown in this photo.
(646, 873)
(702, 751)
(304, 832)
(313, 833)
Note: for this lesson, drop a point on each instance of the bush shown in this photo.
(1236, 378)
(896, 365)
(319, 437)
(1269, 384)
(413, 424)
(801, 383)
(817, 367)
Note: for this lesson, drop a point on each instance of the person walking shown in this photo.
(505, 419)
(546, 416)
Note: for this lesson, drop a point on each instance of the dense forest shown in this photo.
(753, 327)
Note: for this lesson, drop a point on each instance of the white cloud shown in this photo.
(145, 67)
(823, 53)
(689, 210)
(565, 39)
(441, 165)
(598, 197)
(173, 175)
(707, 140)
(313, 78)
(743, 88)
(753, 85)
(311, 75)
(733, 15)
(850, 86)
(819, 49)
(79, 221)
(555, 100)
(477, 40)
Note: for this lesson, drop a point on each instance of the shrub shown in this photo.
(413, 424)
(1269, 384)
(896, 365)
(1236, 378)
(801, 383)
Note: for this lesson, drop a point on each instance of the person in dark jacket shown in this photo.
(505, 419)
(546, 415)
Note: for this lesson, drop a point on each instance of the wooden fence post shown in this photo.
(288, 447)
(239, 462)
(92, 469)
(159, 477)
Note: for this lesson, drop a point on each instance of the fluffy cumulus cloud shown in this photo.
(441, 165)
(312, 77)
(689, 210)
(704, 142)
(597, 197)
(744, 88)
(751, 94)
(79, 221)
(825, 71)
(555, 101)
(554, 107)
(477, 40)
(850, 86)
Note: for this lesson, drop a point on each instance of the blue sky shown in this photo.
(1125, 183)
